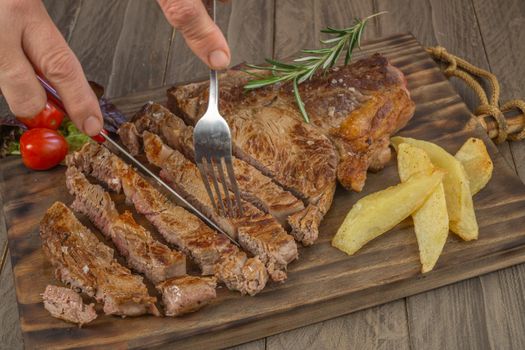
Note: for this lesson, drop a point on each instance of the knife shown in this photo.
(104, 139)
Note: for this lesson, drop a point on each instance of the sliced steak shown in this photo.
(212, 251)
(255, 187)
(86, 264)
(186, 294)
(257, 232)
(357, 106)
(67, 305)
(142, 252)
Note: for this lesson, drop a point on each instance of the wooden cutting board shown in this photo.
(324, 282)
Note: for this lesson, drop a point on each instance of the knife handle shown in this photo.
(54, 99)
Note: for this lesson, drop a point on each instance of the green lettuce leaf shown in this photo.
(74, 137)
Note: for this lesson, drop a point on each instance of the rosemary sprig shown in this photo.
(304, 67)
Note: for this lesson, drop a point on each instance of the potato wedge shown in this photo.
(377, 213)
(475, 159)
(462, 218)
(431, 220)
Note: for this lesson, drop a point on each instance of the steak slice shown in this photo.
(186, 294)
(213, 252)
(67, 305)
(357, 107)
(256, 231)
(255, 187)
(142, 252)
(86, 264)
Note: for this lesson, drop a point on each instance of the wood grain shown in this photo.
(437, 23)
(10, 334)
(502, 30)
(141, 52)
(298, 27)
(325, 283)
(381, 327)
(102, 20)
(64, 14)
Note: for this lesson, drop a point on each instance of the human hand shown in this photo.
(29, 40)
(203, 36)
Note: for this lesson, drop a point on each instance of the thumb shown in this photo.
(202, 35)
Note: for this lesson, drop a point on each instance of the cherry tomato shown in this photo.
(50, 118)
(42, 149)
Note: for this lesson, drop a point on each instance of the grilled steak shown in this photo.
(295, 154)
(142, 252)
(213, 252)
(66, 304)
(86, 264)
(255, 187)
(357, 106)
(256, 231)
(186, 294)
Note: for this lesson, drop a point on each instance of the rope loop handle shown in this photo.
(489, 108)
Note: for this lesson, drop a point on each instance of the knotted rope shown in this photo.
(490, 107)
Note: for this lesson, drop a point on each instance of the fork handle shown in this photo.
(213, 99)
(214, 89)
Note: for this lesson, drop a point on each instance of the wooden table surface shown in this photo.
(128, 46)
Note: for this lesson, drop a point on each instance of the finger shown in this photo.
(18, 83)
(24, 95)
(47, 49)
(203, 36)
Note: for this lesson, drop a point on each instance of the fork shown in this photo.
(213, 151)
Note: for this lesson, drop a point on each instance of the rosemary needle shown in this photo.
(304, 67)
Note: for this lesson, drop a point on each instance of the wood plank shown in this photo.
(64, 14)
(296, 28)
(505, 47)
(142, 49)
(436, 22)
(381, 327)
(325, 283)
(95, 36)
(449, 318)
(434, 26)
(10, 334)
(254, 345)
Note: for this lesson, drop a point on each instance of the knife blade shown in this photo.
(163, 184)
(104, 139)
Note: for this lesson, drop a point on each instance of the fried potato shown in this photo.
(475, 159)
(462, 218)
(377, 213)
(431, 220)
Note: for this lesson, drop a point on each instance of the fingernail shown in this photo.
(218, 59)
(92, 126)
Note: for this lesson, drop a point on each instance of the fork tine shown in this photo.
(233, 183)
(213, 164)
(225, 186)
(203, 170)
